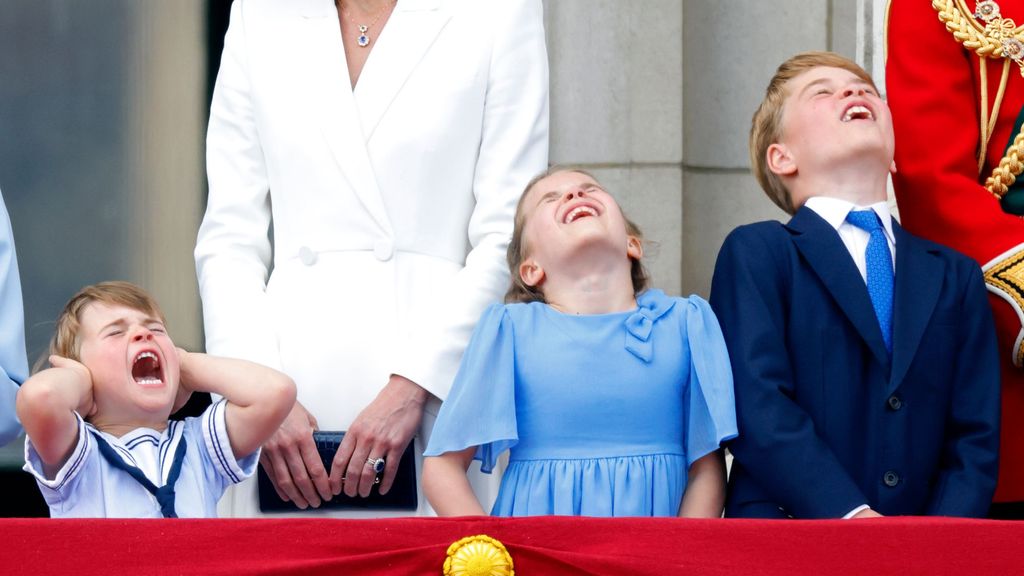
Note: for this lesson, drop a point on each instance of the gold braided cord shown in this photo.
(983, 122)
(989, 124)
(1005, 174)
(966, 29)
(990, 41)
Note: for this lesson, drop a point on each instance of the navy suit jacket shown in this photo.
(827, 420)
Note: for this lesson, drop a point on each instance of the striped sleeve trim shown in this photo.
(71, 468)
(215, 436)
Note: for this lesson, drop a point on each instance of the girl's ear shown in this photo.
(531, 272)
(780, 160)
(634, 248)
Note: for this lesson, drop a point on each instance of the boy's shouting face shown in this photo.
(134, 366)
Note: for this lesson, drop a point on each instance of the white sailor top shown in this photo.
(87, 486)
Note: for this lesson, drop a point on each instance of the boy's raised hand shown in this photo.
(83, 379)
(184, 387)
(46, 406)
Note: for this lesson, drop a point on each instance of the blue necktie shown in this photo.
(164, 494)
(879, 268)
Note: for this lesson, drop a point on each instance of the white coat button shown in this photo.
(383, 250)
(307, 256)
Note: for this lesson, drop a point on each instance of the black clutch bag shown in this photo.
(402, 495)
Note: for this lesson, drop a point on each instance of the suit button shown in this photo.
(383, 250)
(891, 479)
(895, 403)
(307, 256)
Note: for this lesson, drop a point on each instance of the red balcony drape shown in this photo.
(549, 545)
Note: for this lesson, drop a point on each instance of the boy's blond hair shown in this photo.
(67, 338)
(766, 126)
(519, 291)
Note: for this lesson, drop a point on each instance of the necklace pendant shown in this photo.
(363, 39)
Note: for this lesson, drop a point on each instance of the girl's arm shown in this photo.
(258, 397)
(705, 488)
(446, 485)
(46, 406)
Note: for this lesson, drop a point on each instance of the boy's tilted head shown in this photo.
(117, 331)
(820, 108)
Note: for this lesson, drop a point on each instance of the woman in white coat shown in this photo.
(386, 144)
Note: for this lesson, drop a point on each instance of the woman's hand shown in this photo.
(382, 430)
(292, 462)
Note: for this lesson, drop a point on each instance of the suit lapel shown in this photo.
(919, 276)
(405, 39)
(827, 256)
(326, 73)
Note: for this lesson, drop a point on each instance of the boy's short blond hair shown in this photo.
(67, 338)
(766, 126)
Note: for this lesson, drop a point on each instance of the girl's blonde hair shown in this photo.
(519, 291)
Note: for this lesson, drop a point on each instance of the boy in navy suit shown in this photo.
(865, 365)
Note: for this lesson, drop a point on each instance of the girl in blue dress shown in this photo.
(611, 399)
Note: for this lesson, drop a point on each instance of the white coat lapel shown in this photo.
(331, 94)
(405, 39)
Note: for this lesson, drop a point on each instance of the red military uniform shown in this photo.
(939, 89)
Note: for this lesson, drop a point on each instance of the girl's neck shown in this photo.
(595, 293)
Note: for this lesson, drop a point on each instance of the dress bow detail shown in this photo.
(651, 305)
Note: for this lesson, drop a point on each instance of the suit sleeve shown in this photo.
(933, 95)
(13, 360)
(513, 149)
(967, 476)
(233, 251)
(777, 442)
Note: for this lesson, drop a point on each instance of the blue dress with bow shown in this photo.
(603, 414)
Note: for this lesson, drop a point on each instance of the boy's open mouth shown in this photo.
(146, 369)
(858, 112)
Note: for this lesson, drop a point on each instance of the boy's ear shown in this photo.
(892, 167)
(634, 248)
(780, 160)
(531, 272)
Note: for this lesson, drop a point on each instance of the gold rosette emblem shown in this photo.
(478, 556)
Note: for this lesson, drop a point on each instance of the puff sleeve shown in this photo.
(711, 419)
(481, 409)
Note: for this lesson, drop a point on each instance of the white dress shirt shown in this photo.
(834, 211)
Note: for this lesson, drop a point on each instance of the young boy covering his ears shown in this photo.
(99, 441)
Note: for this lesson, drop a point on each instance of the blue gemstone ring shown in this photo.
(376, 463)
